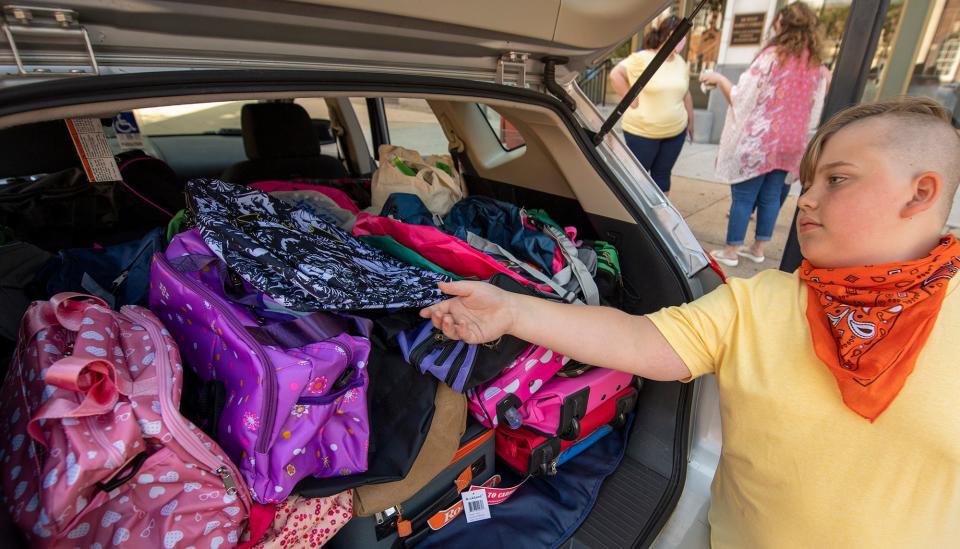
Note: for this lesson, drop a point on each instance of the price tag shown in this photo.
(475, 505)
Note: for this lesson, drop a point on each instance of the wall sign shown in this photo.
(747, 29)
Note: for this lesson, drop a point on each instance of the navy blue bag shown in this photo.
(501, 223)
(547, 510)
(118, 274)
(407, 208)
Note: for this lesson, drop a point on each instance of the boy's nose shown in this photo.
(807, 200)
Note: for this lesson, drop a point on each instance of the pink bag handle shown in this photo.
(70, 306)
(95, 378)
(65, 309)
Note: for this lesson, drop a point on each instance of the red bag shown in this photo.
(447, 251)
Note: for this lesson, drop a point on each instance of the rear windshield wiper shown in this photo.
(675, 37)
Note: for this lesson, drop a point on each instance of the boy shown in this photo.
(839, 382)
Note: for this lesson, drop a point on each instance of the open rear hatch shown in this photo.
(428, 37)
(491, 41)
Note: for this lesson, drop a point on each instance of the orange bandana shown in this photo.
(870, 323)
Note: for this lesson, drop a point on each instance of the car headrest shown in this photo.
(278, 130)
(32, 149)
(324, 131)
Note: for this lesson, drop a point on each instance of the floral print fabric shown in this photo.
(767, 126)
(301, 260)
(307, 522)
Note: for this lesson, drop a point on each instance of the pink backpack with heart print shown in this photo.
(94, 450)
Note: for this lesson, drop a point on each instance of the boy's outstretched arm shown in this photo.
(600, 336)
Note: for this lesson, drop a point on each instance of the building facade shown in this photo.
(918, 52)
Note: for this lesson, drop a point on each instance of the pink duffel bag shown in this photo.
(95, 452)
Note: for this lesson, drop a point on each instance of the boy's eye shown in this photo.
(836, 179)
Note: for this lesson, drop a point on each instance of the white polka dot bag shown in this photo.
(94, 450)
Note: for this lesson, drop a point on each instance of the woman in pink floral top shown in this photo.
(771, 109)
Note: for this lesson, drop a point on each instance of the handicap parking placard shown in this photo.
(127, 130)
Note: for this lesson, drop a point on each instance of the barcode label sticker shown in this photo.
(475, 505)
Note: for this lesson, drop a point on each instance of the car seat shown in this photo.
(281, 142)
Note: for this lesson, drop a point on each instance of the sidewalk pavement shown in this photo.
(704, 203)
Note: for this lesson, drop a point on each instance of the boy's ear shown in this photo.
(928, 190)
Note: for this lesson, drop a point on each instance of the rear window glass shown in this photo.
(413, 125)
(195, 119)
(316, 107)
(221, 117)
(506, 133)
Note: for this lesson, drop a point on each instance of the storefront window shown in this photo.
(936, 73)
(704, 43)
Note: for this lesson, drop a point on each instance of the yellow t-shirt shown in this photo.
(800, 469)
(660, 113)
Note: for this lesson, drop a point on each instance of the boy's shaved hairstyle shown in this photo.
(921, 133)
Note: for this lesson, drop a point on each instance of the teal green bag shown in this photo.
(388, 245)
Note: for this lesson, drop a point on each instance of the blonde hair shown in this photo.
(918, 110)
(799, 33)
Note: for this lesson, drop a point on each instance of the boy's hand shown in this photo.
(478, 313)
(601, 336)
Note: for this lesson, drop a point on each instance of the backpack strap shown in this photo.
(588, 287)
(493, 248)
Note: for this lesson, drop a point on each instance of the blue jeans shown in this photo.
(783, 196)
(657, 155)
(764, 191)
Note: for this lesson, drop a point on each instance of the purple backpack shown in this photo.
(296, 382)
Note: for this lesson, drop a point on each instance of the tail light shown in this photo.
(716, 267)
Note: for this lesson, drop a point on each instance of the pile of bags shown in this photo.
(261, 397)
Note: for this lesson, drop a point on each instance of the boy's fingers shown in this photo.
(443, 307)
(456, 288)
(449, 327)
(464, 332)
(427, 312)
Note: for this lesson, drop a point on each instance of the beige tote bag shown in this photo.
(438, 190)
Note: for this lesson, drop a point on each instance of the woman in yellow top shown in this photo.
(655, 124)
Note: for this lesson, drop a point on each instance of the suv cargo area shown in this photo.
(517, 146)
